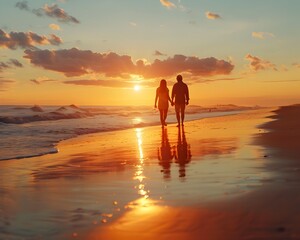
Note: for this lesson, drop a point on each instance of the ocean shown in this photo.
(28, 131)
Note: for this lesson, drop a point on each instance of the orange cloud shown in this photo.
(297, 65)
(4, 84)
(13, 40)
(262, 35)
(54, 26)
(203, 80)
(257, 63)
(167, 4)
(110, 83)
(212, 16)
(75, 62)
(55, 12)
(103, 83)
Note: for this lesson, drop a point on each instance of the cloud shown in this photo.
(54, 40)
(55, 12)
(35, 81)
(23, 5)
(297, 65)
(9, 64)
(167, 4)
(13, 40)
(102, 83)
(15, 63)
(262, 35)
(191, 65)
(158, 53)
(75, 62)
(113, 83)
(133, 24)
(52, 11)
(54, 26)
(284, 68)
(41, 80)
(4, 84)
(3, 66)
(257, 63)
(200, 79)
(280, 81)
(220, 79)
(212, 16)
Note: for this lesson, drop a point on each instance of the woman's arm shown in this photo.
(156, 97)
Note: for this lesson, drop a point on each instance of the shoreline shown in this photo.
(55, 149)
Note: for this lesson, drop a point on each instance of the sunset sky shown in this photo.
(95, 52)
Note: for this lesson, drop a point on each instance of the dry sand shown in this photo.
(233, 177)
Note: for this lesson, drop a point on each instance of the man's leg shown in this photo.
(182, 113)
(182, 116)
(178, 118)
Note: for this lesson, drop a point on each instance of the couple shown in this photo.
(180, 92)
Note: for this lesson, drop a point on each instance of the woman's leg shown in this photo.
(161, 113)
(165, 116)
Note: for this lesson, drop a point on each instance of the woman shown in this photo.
(162, 95)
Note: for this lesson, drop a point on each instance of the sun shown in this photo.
(137, 88)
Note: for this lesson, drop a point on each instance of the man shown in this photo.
(180, 92)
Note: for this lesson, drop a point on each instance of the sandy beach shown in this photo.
(231, 177)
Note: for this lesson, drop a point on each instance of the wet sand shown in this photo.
(218, 178)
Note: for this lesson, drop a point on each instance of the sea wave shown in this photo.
(21, 114)
(50, 151)
(34, 131)
(36, 113)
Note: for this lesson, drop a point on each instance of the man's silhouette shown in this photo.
(180, 92)
(183, 152)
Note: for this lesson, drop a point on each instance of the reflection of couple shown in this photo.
(181, 153)
(180, 92)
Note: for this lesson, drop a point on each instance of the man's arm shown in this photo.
(173, 93)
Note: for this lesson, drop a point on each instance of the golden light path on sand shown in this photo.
(143, 203)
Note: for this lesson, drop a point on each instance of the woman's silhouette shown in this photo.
(165, 154)
(162, 95)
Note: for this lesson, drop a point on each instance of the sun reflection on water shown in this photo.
(139, 173)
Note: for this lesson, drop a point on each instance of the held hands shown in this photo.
(172, 103)
(155, 106)
(187, 102)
